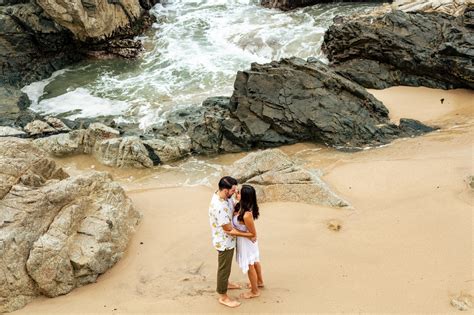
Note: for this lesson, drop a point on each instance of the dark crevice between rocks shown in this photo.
(152, 155)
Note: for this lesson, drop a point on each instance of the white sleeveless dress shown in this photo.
(247, 252)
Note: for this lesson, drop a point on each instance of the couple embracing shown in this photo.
(232, 213)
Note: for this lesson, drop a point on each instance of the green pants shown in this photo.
(223, 270)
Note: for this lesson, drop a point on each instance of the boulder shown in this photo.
(273, 104)
(32, 45)
(451, 7)
(80, 141)
(123, 152)
(39, 37)
(6, 131)
(170, 149)
(276, 177)
(398, 48)
(293, 4)
(56, 232)
(106, 145)
(90, 19)
(39, 127)
(293, 100)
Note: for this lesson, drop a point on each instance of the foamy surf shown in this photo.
(193, 52)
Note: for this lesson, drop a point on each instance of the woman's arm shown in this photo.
(235, 232)
(250, 224)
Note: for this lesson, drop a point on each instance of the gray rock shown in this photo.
(398, 48)
(51, 125)
(293, 4)
(277, 178)
(42, 36)
(77, 141)
(32, 45)
(63, 144)
(148, 4)
(122, 152)
(273, 104)
(56, 232)
(451, 7)
(11, 132)
(39, 127)
(293, 100)
(57, 124)
(170, 149)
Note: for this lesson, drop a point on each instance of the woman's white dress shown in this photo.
(247, 252)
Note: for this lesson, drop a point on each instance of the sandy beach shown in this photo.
(406, 247)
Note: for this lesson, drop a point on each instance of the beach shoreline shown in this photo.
(405, 247)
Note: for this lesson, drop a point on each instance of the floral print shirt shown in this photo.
(220, 213)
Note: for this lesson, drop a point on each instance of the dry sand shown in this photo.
(406, 247)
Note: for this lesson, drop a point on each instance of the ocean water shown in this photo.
(193, 51)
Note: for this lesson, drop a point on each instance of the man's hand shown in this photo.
(253, 239)
(232, 232)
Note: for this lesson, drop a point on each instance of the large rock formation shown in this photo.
(56, 232)
(105, 144)
(397, 48)
(286, 102)
(32, 45)
(451, 7)
(276, 177)
(273, 104)
(294, 100)
(293, 4)
(92, 19)
(38, 37)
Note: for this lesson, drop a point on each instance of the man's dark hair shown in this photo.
(227, 182)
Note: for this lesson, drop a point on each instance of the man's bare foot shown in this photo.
(249, 295)
(260, 285)
(231, 286)
(229, 302)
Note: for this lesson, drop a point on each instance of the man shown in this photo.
(220, 215)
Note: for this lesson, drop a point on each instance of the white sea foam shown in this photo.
(35, 90)
(194, 52)
(80, 103)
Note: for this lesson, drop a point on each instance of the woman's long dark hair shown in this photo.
(248, 202)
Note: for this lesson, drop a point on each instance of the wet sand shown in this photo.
(406, 247)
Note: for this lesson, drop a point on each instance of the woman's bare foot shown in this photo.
(231, 286)
(260, 285)
(249, 295)
(229, 302)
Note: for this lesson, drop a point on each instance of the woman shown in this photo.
(248, 255)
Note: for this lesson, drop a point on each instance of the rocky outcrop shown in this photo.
(273, 104)
(451, 7)
(286, 102)
(397, 48)
(6, 131)
(38, 37)
(293, 4)
(91, 19)
(51, 125)
(77, 141)
(32, 45)
(56, 232)
(105, 144)
(276, 177)
(293, 100)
